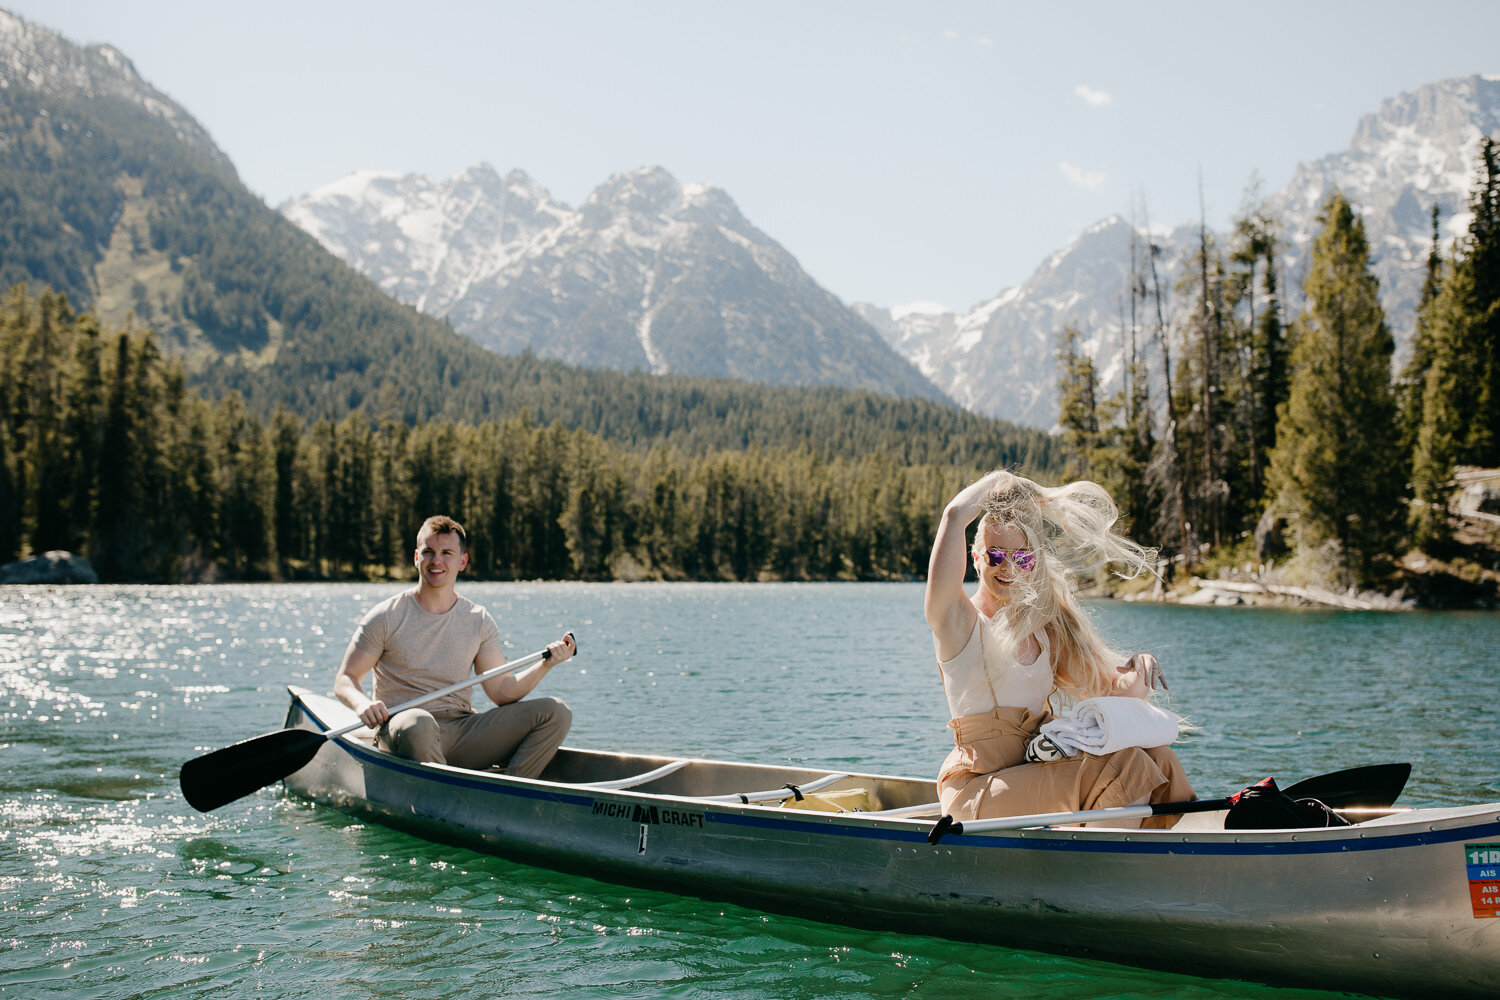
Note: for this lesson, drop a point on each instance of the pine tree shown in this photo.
(10, 502)
(1165, 476)
(246, 489)
(1483, 257)
(82, 438)
(13, 425)
(42, 396)
(1078, 403)
(1139, 432)
(196, 488)
(1409, 387)
(1260, 345)
(1335, 463)
(1459, 331)
(286, 435)
(1206, 392)
(1449, 405)
(120, 544)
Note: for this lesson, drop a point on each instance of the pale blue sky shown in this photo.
(901, 151)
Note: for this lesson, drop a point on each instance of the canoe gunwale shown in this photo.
(1393, 831)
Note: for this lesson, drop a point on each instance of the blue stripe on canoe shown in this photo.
(1156, 844)
(1153, 845)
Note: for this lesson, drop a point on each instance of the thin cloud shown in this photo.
(983, 41)
(1093, 98)
(1089, 180)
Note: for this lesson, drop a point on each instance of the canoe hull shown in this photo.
(1385, 907)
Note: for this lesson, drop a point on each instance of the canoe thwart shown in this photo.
(640, 779)
(906, 812)
(796, 791)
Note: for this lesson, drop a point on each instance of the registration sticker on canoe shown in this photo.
(1483, 861)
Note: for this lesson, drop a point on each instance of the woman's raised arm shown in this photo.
(946, 606)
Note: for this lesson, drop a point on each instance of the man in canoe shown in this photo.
(426, 638)
(1022, 646)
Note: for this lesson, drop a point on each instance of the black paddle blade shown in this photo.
(218, 778)
(1374, 786)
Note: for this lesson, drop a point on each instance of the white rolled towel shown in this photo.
(1103, 725)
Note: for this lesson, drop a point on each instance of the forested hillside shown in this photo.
(105, 203)
(106, 451)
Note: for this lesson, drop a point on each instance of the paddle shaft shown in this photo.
(1375, 785)
(467, 682)
(1087, 816)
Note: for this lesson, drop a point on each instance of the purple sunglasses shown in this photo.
(1021, 559)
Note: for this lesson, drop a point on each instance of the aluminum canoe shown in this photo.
(1406, 903)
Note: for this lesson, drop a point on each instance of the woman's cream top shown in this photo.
(982, 678)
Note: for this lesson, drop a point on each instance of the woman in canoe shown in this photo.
(1022, 645)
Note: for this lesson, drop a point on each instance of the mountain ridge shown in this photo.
(1416, 151)
(996, 358)
(649, 273)
(43, 61)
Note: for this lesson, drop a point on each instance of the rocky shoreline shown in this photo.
(55, 567)
(1227, 593)
(1463, 577)
(1461, 572)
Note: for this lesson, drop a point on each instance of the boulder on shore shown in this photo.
(56, 566)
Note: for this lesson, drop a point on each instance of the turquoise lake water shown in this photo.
(112, 887)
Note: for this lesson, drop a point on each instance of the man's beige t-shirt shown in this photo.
(420, 652)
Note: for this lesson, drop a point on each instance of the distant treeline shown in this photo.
(105, 450)
(1267, 438)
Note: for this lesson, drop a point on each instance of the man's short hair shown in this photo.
(442, 524)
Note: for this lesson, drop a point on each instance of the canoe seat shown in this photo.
(639, 779)
(748, 798)
(846, 800)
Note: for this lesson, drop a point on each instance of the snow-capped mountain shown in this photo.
(1418, 150)
(1000, 357)
(31, 56)
(428, 242)
(648, 274)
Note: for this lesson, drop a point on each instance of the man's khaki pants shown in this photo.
(522, 736)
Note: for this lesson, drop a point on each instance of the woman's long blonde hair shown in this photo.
(1072, 531)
